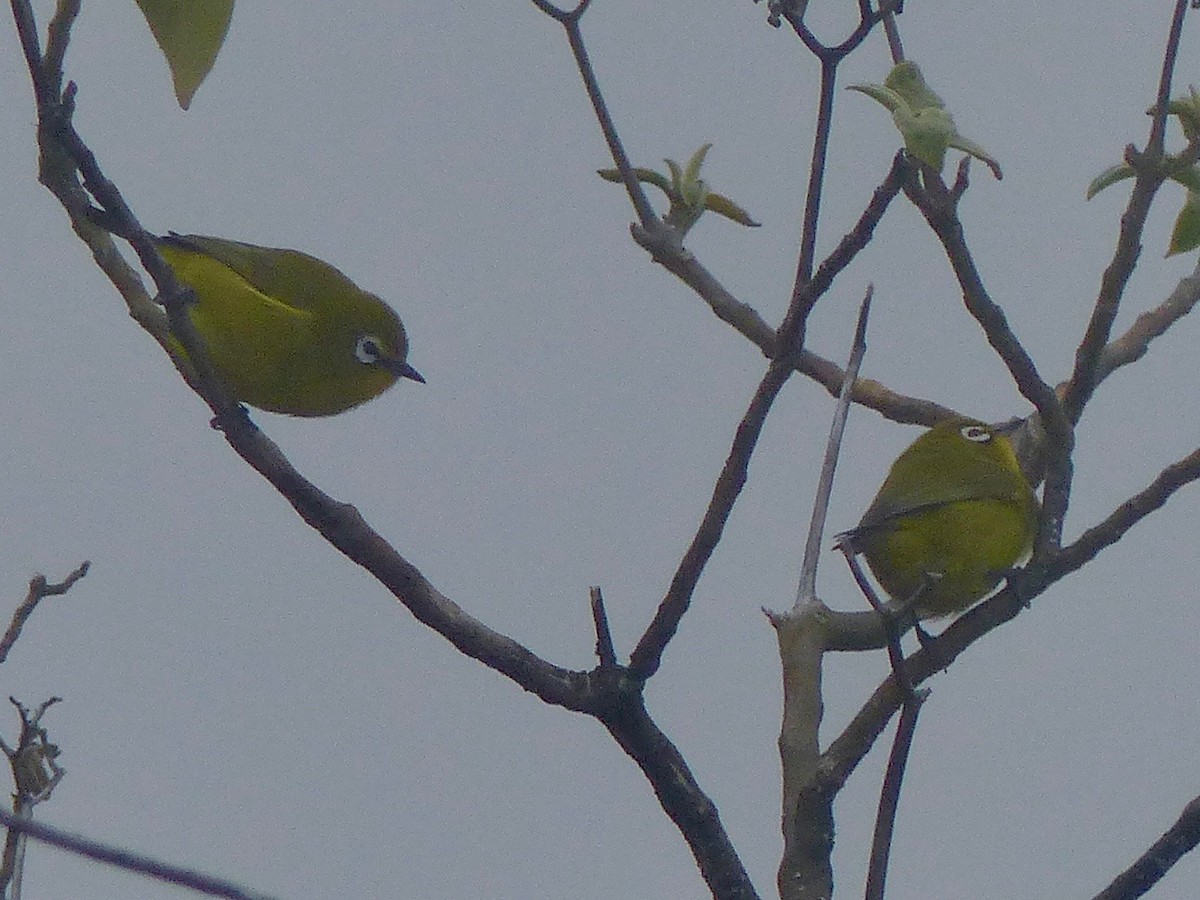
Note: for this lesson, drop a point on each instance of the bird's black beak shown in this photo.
(401, 369)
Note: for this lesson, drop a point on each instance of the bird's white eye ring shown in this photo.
(976, 433)
(367, 349)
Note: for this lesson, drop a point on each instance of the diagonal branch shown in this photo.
(569, 19)
(939, 207)
(680, 797)
(1148, 180)
(648, 653)
(1133, 344)
(806, 295)
(647, 656)
(338, 522)
(39, 589)
(124, 859)
(1181, 838)
(342, 526)
(665, 249)
(1125, 516)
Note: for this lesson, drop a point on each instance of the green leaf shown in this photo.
(190, 34)
(1108, 177)
(1187, 110)
(647, 176)
(687, 192)
(924, 122)
(927, 133)
(907, 81)
(880, 94)
(1188, 176)
(692, 172)
(969, 147)
(1186, 234)
(723, 206)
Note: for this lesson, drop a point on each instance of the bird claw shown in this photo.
(216, 423)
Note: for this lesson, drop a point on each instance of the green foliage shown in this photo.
(190, 34)
(921, 116)
(687, 192)
(1185, 235)
(1180, 168)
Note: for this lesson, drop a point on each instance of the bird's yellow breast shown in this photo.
(954, 553)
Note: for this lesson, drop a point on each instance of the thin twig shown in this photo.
(816, 178)
(1124, 517)
(124, 859)
(868, 19)
(647, 655)
(889, 794)
(570, 19)
(1133, 344)
(562, 15)
(39, 588)
(940, 211)
(807, 589)
(791, 330)
(605, 651)
(940, 208)
(886, 616)
(892, 30)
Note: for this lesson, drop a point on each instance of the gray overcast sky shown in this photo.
(238, 697)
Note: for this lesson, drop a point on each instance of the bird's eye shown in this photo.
(367, 350)
(976, 433)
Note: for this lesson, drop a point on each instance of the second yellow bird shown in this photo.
(287, 332)
(954, 515)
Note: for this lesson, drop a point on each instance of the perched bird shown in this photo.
(285, 331)
(953, 517)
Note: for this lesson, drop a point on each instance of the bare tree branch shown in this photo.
(680, 797)
(806, 590)
(608, 693)
(647, 656)
(1124, 517)
(665, 248)
(889, 795)
(1149, 178)
(1133, 344)
(939, 207)
(1151, 866)
(124, 859)
(39, 588)
(570, 21)
(605, 652)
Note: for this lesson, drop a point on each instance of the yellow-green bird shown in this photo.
(287, 332)
(954, 516)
